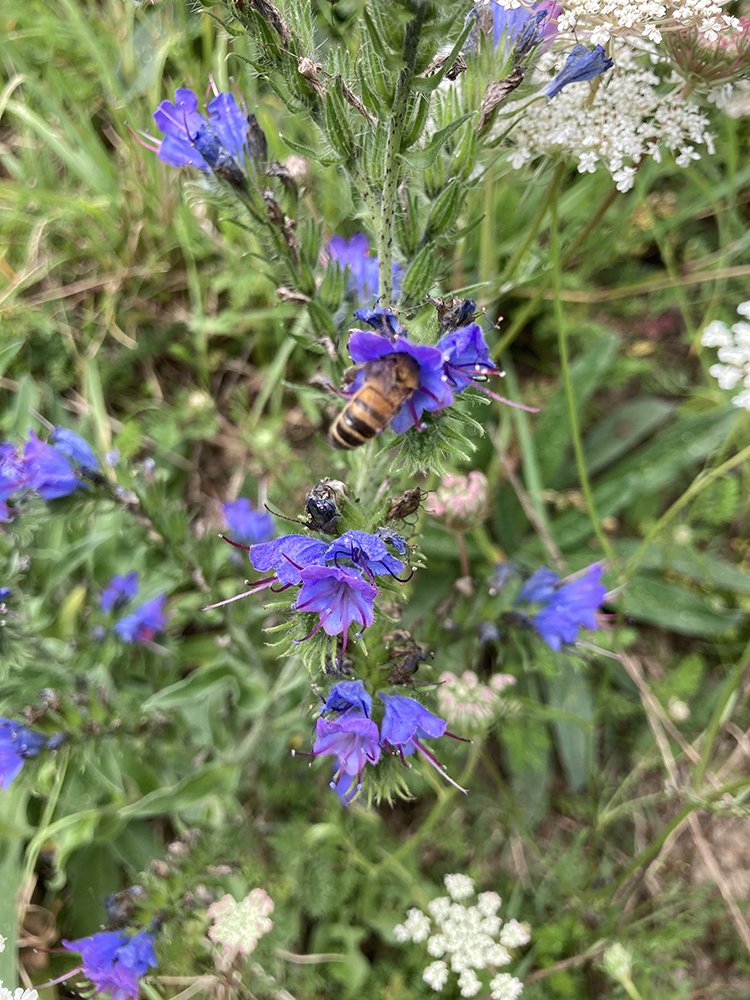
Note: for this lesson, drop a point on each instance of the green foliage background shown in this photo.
(147, 321)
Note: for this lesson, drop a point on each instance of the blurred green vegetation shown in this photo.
(140, 317)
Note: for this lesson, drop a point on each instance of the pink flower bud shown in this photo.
(460, 502)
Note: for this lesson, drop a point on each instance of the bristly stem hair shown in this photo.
(384, 224)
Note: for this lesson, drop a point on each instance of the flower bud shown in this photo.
(461, 502)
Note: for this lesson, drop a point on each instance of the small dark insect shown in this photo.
(120, 906)
(407, 655)
(256, 140)
(321, 505)
(389, 382)
(407, 504)
(454, 313)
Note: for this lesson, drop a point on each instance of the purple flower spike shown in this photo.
(354, 740)
(119, 591)
(582, 64)
(73, 446)
(341, 597)
(50, 472)
(367, 552)
(406, 723)
(539, 587)
(115, 962)
(246, 524)
(433, 392)
(363, 269)
(348, 695)
(16, 744)
(144, 623)
(288, 555)
(573, 605)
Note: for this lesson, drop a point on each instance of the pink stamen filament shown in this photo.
(436, 764)
(235, 544)
(141, 136)
(254, 590)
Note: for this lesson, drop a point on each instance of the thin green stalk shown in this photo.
(393, 151)
(550, 196)
(696, 487)
(732, 683)
(50, 805)
(575, 430)
(521, 317)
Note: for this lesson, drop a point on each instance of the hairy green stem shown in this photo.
(575, 429)
(393, 150)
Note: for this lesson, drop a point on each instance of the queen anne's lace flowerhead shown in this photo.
(18, 993)
(238, 926)
(734, 354)
(464, 939)
(627, 120)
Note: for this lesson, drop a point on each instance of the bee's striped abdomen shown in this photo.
(361, 419)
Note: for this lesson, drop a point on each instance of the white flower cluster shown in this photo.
(465, 939)
(18, 994)
(238, 926)
(734, 353)
(646, 18)
(627, 120)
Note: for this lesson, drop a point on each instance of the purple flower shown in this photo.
(50, 472)
(14, 476)
(571, 606)
(246, 524)
(5, 593)
(288, 555)
(368, 553)
(143, 623)
(582, 64)
(363, 269)
(354, 740)
(348, 695)
(526, 27)
(115, 962)
(405, 724)
(340, 596)
(73, 446)
(16, 744)
(119, 591)
(539, 587)
(382, 320)
(466, 362)
(433, 392)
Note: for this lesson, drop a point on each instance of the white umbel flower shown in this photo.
(18, 994)
(513, 935)
(436, 975)
(505, 987)
(734, 354)
(459, 886)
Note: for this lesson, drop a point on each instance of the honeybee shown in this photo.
(389, 382)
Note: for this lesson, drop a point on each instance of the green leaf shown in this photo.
(199, 684)
(212, 779)
(568, 691)
(712, 572)
(672, 606)
(552, 432)
(423, 159)
(420, 276)
(624, 428)
(651, 469)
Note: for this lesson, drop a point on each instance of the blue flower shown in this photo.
(582, 64)
(14, 476)
(539, 587)
(115, 962)
(466, 362)
(73, 446)
(143, 623)
(405, 724)
(354, 740)
(567, 608)
(246, 524)
(50, 472)
(16, 744)
(367, 552)
(382, 320)
(339, 596)
(288, 555)
(525, 27)
(5, 593)
(348, 695)
(433, 392)
(363, 269)
(218, 143)
(119, 591)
